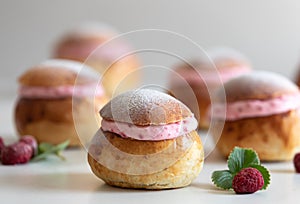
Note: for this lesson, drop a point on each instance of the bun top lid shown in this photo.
(227, 57)
(223, 59)
(145, 107)
(58, 72)
(90, 30)
(91, 41)
(257, 85)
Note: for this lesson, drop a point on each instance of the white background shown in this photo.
(267, 32)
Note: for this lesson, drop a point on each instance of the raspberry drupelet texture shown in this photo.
(248, 180)
(297, 162)
(17, 153)
(31, 141)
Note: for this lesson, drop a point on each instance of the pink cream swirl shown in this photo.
(151, 132)
(255, 108)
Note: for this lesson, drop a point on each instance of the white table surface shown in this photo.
(71, 181)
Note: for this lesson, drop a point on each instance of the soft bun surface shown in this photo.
(55, 116)
(187, 163)
(273, 135)
(145, 107)
(258, 85)
(52, 121)
(274, 138)
(57, 73)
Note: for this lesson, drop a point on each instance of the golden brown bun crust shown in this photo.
(51, 76)
(256, 85)
(52, 121)
(145, 107)
(273, 137)
(179, 174)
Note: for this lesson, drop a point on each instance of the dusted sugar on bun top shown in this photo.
(146, 114)
(59, 78)
(257, 94)
(57, 72)
(259, 85)
(145, 107)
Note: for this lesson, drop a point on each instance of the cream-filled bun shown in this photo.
(98, 46)
(57, 100)
(147, 140)
(194, 83)
(261, 111)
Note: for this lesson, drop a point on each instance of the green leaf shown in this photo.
(222, 179)
(46, 149)
(61, 146)
(250, 158)
(241, 158)
(43, 147)
(265, 173)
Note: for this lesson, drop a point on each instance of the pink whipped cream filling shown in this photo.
(256, 108)
(151, 132)
(210, 77)
(60, 91)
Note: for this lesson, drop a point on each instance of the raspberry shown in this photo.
(17, 153)
(2, 145)
(297, 162)
(248, 180)
(31, 141)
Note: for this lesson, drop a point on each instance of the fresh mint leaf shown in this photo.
(241, 158)
(265, 173)
(46, 149)
(222, 179)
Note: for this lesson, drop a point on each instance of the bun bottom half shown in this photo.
(274, 138)
(52, 120)
(148, 166)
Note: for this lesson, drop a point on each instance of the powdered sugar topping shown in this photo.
(271, 79)
(75, 66)
(154, 104)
